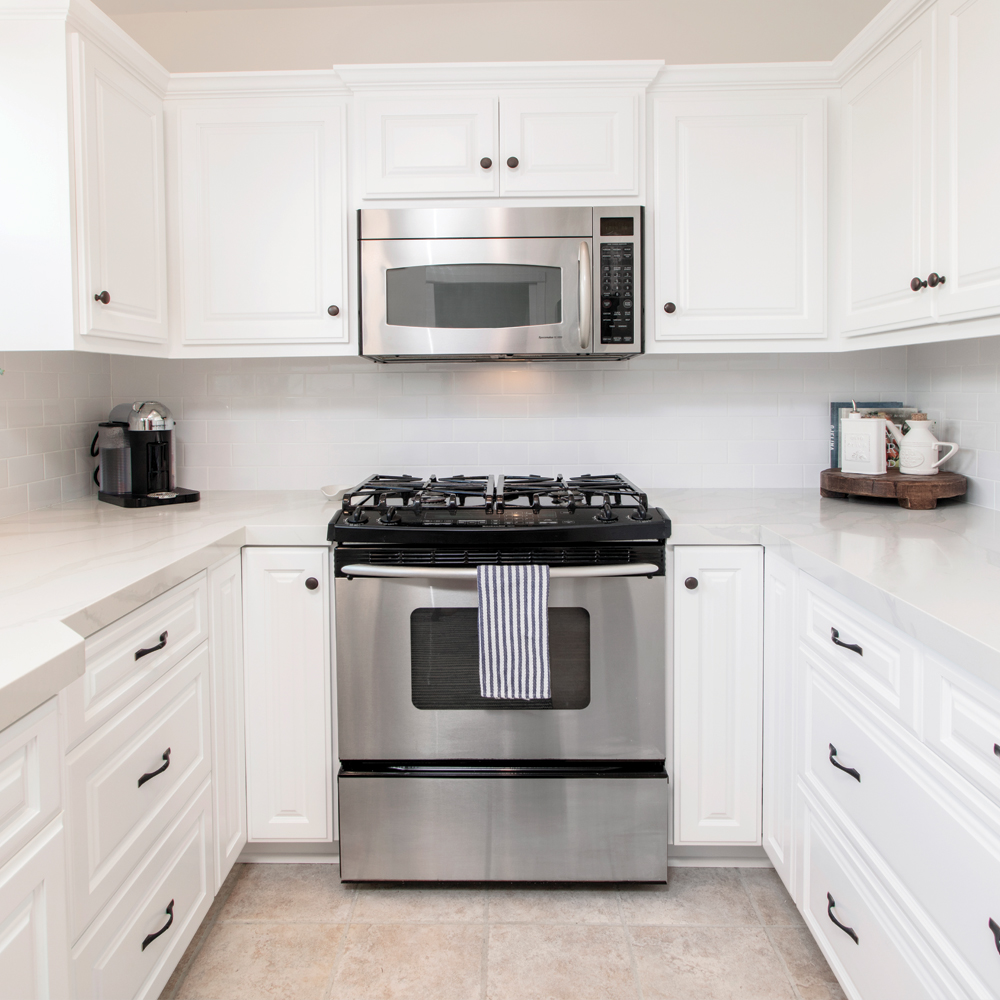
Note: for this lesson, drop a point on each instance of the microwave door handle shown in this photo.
(469, 573)
(586, 295)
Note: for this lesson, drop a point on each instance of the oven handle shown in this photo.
(469, 573)
(586, 296)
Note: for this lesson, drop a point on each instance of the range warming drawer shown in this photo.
(516, 824)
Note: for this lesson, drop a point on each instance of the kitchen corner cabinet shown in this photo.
(718, 611)
(225, 648)
(259, 247)
(740, 218)
(567, 144)
(289, 717)
(120, 199)
(920, 158)
(779, 716)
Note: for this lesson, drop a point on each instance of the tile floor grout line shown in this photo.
(342, 946)
(767, 934)
(627, 931)
(221, 905)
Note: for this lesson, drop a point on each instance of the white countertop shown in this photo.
(69, 570)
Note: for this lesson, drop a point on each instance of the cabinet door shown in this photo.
(288, 693)
(740, 200)
(225, 608)
(779, 716)
(261, 226)
(120, 200)
(968, 247)
(717, 694)
(580, 145)
(430, 146)
(34, 952)
(887, 166)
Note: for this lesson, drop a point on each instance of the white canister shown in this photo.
(862, 444)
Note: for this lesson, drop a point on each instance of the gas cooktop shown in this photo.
(455, 510)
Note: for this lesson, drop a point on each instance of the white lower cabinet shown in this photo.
(225, 651)
(717, 693)
(289, 719)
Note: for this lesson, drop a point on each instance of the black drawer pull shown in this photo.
(996, 749)
(995, 927)
(849, 931)
(847, 770)
(159, 770)
(140, 653)
(852, 646)
(150, 938)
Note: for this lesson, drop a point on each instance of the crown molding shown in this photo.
(895, 17)
(758, 76)
(443, 76)
(257, 83)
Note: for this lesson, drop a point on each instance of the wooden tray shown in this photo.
(911, 492)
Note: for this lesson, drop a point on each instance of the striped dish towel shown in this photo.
(514, 631)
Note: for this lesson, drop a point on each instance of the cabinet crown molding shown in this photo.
(442, 76)
(259, 83)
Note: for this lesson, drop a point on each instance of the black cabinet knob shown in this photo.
(691, 583)
(512, 162)
(102, 297)
(312, 583)
(334, 310)
(916, 284)
(934, 279)
(669, 308)
(486, 163)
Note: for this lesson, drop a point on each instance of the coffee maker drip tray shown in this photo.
(176, 495)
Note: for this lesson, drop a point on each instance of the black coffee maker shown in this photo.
(137, 460)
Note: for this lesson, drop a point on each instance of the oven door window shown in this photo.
(444, 661)
(473, 296)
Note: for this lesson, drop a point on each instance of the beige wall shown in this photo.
(678, 31)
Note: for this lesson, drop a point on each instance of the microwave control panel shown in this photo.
(618, 239)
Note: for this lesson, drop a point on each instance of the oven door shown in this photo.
(408, 671)
(460, 298)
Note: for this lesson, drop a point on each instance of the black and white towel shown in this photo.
(514, 631)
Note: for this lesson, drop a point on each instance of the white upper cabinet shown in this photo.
(261, 233)
(575, 144)
(888, 112)
(968, 232)
(569, 145)
(434, 145)
(120, 200)
(740, 204)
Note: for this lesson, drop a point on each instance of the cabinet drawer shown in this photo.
(883, 665)
(113, 819)
(110, 961)
(901, 807)
(878, 962)
(118, 666)
(962, 723)
(29, 778)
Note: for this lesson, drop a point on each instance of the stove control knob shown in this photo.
(312, 583)
(691, 583)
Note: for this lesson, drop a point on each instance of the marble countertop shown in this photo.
(69, 570)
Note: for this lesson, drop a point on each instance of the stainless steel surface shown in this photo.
(115, 459)
(625, 720)
(379, 338)
(463, 573)
(585, 293)
(150, 416)
(508, 829)
(474, 223)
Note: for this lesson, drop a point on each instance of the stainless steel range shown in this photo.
(438, 782)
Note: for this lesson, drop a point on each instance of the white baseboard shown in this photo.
(721, 856)
(290, 854)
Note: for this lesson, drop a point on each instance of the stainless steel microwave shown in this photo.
(470, 284)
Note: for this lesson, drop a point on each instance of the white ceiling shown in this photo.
(174, 6)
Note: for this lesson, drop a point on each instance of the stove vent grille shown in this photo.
(577, 555)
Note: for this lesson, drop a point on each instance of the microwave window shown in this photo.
(473, 296)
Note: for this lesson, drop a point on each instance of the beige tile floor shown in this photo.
(294, 932)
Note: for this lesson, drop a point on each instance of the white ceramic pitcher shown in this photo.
(918, 448)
